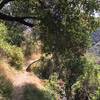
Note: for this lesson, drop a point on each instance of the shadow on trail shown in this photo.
(30, 92)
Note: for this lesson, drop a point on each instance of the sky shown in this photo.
(97, 14)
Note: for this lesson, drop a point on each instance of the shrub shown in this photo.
(15, 37)
(17, 57)
(87, 86)
(56, 87)
(44, 68)
(29, 47)
(3, 32)
(14, 54)
(5, 89)
(32, 93)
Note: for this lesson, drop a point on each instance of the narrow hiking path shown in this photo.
(23, 78)
(20, 80)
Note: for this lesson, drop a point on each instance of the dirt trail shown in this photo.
(19, 79)
(22, 78)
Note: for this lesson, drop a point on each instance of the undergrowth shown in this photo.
(32, 93)
(5, 88)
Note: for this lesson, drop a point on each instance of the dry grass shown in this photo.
(6, 70)
(19, 76)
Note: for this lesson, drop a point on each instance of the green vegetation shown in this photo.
(88, 84)
(55, 87)
(5, 88)
(64, 29)
(32, 93)
(13, 53)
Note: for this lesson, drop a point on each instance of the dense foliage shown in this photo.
(64, 29)
(5, 88)
(32, 93)
(11, 52)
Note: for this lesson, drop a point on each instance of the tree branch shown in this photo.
(17, 19)
(21, 20)
(4, 2)
(28, 69)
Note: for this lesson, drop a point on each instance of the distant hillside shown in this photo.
(95, 49)
(96, 36)
(96, 42)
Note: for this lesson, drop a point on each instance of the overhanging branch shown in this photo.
(28, 69)
(21, 20)
(17, 19)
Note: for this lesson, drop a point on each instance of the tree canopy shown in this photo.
(64, 29)
(85, 6)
